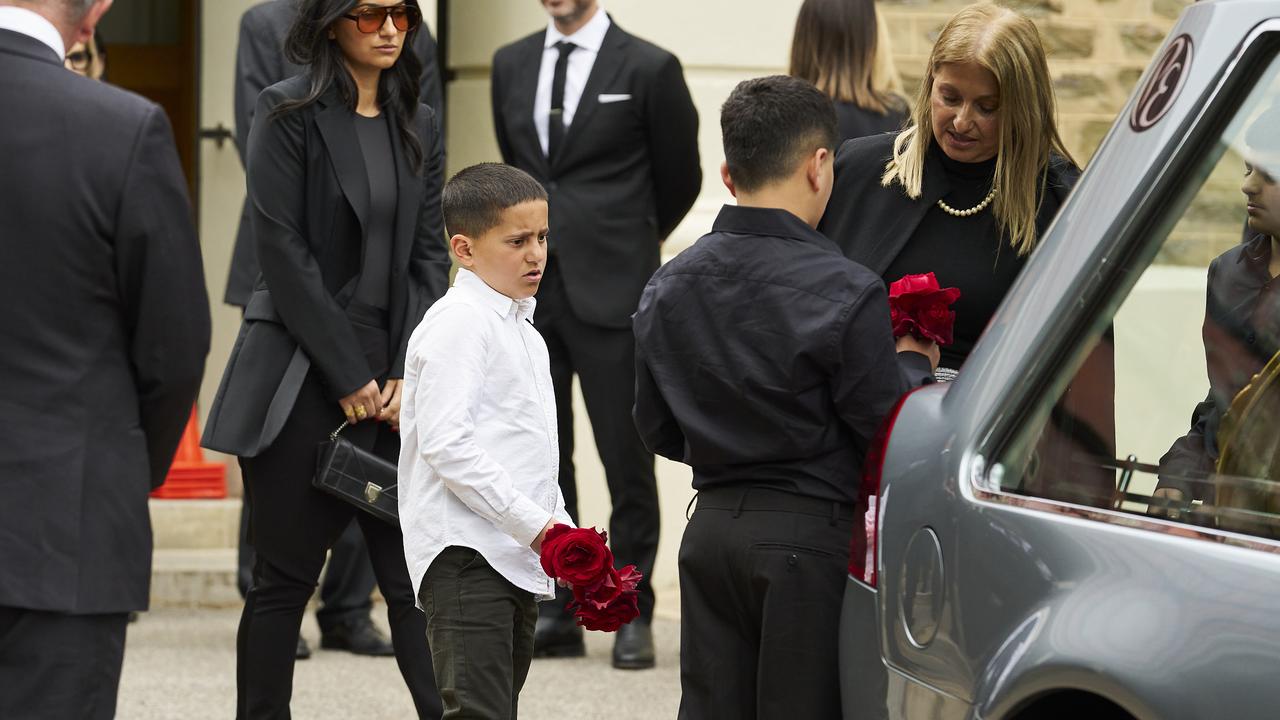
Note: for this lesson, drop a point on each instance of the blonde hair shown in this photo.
(1007, 44)
(842, 48)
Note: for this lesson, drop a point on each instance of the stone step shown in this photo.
(194, 578)
(195, 524)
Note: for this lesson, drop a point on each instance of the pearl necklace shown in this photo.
(971, 211)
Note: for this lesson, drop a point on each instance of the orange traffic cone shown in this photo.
(190, 476)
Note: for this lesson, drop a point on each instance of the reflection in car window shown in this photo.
(1176, 410)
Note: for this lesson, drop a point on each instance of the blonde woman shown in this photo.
(839, 46)
(967, 189)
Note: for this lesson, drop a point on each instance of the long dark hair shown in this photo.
(308, 44)
(834, 47)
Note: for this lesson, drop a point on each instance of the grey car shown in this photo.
(1022, 555)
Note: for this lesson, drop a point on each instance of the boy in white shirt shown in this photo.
(478, 453)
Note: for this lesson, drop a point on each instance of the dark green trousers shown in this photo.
(480, 628)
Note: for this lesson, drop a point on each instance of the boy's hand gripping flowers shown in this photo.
(605, 598)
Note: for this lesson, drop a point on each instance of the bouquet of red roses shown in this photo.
(917, 306)
(605, 598)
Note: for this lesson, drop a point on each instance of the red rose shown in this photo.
(620, 611)
(615, 583)
(579, 556)
(919, 307)
(913, 285)
(935, 321)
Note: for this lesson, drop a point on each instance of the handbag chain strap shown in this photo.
(334, 435)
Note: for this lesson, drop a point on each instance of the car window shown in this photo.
(1175, 411)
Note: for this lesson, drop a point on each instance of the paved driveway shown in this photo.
(181, 664)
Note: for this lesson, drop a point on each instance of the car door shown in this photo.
(1025, 569)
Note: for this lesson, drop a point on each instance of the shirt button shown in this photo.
(1251, 339)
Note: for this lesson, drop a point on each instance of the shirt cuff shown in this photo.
(916, 368)
(525, 520)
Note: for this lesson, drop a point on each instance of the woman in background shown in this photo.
(88, 59)
(840, 47)
(344, 169)
(967, 189)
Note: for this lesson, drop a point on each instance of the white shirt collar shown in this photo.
(33, 25)
(493, 299)
(589, 36)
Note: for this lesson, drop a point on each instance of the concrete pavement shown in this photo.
(181, 664)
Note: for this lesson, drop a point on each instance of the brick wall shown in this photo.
(1097, 51)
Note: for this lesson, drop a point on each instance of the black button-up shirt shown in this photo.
(1241, 333)
(765, 357)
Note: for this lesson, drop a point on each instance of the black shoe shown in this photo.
(557, 636)
(358, 636)
(303, 651)
(633, 646)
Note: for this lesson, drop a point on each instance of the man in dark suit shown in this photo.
(604, 121)
(104, 342)
(345, 606)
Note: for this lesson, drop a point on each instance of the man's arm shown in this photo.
(869, 375)
(673, 145)
(430, 91)
(163, 302)
(497, 91)
(257, 67)
(653, 417)
(429, 258)
(652, 414)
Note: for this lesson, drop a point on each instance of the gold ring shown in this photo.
(360, 411)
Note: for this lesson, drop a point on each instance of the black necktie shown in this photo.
(555, 126)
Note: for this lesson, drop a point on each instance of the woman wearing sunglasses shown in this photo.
(344, 171)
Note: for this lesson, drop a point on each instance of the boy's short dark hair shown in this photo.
(475, 197)
(768, 123)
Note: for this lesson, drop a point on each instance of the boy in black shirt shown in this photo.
(766, 361)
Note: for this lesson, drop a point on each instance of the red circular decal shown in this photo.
(1163, 86)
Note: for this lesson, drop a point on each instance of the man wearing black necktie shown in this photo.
(605, 122)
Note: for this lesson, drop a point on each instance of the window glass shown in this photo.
(1176, 410)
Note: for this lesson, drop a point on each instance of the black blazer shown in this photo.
(872, 223)
(310, 201)
(855, 122)
(104, 335)
(625, 175)
(260, 63)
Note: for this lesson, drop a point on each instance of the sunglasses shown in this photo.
(370, 20)
(78, 60)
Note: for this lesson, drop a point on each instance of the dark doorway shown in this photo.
(153, 50)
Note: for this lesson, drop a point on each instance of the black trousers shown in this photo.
(345, 592)
(55, 666)
(481, 631)
(292, 525)
(604, 360)
(762, 576)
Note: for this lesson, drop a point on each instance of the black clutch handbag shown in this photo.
(357, 476)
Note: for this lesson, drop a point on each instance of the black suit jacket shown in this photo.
(625, 175)
(872, 224)
(260, 63)
(309, 196)
(104, 335)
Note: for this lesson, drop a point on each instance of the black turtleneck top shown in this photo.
(964, 252)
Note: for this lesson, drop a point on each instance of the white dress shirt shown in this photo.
(588, 38)
(479, 453)
(35, 25)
